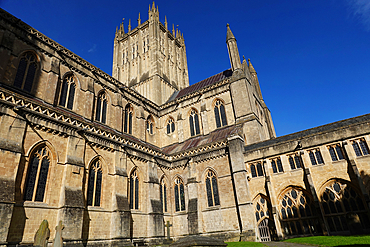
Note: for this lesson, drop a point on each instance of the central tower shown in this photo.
(151, 59)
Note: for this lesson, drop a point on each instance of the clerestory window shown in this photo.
(101, 108)
(26, 71)
(220, 114)
(194, 123)
(67, 92)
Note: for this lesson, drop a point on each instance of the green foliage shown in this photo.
(242, 244)
(332, 240)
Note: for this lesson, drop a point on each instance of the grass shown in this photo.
(332, 240)
(242, 244)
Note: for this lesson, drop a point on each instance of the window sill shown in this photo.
(258, 177)
(277, 173)
(95, 208)
(218, 207)
(180, 212)
(31, 204)
(363, 156)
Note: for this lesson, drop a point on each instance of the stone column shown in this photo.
(244, 205)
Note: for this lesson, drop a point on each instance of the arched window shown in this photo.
(220, 114)
(150, 125)
(297, 213)
(212, 189)
(67, 93)
(179, 194)
(194, 123)
(163, 195)
(128, 119)
(26, 71)
(134, 190)
(253, 171)
(259, 169)
(101, 108)
(170, 125)
(94, 184)
(38, 169)
(340, 199)
(266, 226)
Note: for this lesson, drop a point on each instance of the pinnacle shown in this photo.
(229, 34)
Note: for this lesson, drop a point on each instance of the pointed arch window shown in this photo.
(179, 195)
(276, 165)
(194, 123)
(338, 200)
(101, 108)
(94, 184)
(163, 195)
(37, 175)
(212, 189)
(170, 125)
(67, 92)
(220, 114)
(134, 190)
(150, 125)
(128, 119)
(26, 71)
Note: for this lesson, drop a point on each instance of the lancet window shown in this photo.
(101, 108)
(163, 194)
(67, 93)
(220, 114)
(179, 194)
(315, 157)
(340, 199)
(212, 189)
(170, 126)
(150, 125)
(297, 213)
(94, 184)
(276, 165)
(26, 71)
(360, 147)
(134, 190)
(194, 123)
(128, 119)
(37, 175)
(336, 152)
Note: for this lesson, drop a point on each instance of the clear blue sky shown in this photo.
(312, 57)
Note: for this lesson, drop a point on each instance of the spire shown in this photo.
(129, 26)
(165, 22)
(251, 68)
(233, 50)
(229, 34)
(139, 20)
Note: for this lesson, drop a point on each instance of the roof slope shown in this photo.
(202, 84)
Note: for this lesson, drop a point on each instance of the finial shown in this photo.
(243, 57)
(153, 8)
(227, 25)
(139, 20)
(229, 34)
(129, 25)
(122, 29)
(173, 30)
(149, 8)
(251, 68)
(165, 22)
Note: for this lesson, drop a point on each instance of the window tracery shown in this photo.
(315, 157)
(67, 92)
(360, 147)
(179, 194)
(128, 119)
(297, 213)
(26, 71)
(150, 125)
(163, 195)
(220, 114)
(276, 165)
(295, 161)
(94, 184)
(212, 189)
(339, 199)
(170, 126)
(101, 108)
(336, 152)
(134, 190)
(194, 123)
(38, 170)
(256, 170)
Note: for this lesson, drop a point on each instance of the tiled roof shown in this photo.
(202, 84)
(215, 136)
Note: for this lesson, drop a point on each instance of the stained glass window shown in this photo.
(220, 114)
(134, 190)
(67, 92)
(94, 184)
(128, 119)
(37, 175)
(179, 194)
(212, 189)
(101, 108)
(26, 71)
(194, 123)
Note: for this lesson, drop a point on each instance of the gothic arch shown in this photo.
(134, 188)
(95, 181)
(150, 125)
(341, 201)
(178, 186)
(28, 67)
(164, 193)
(68, 90)
(170, 125)
(211, 188)
(194, 121)
(128, 118)
(101, 110)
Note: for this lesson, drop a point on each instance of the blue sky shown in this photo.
(312, 57)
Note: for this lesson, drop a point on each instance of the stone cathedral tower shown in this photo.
(150, 58)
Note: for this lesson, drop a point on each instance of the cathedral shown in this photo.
(142, 157)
